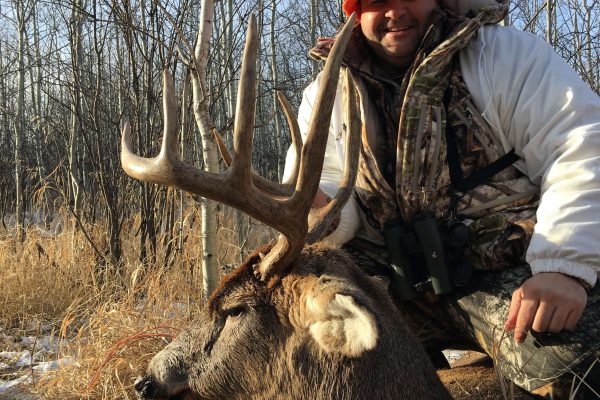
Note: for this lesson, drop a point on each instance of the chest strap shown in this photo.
(479, 177)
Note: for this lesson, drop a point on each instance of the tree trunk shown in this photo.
(549, 21)
(182, 135)
(592, 76)
(281, 151)
(76, 24)
(314, 9)
(19, 124)
(210, 272)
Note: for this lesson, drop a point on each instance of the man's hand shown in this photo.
(548, 301)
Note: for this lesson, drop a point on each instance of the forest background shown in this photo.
(80, 242)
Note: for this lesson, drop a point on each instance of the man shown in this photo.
(447, 101)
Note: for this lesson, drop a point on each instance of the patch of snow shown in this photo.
(453, 355)
(5, 386)
(25, 359)
(23, 355)
(36, 325)
(178, 308)
(47, 343)
(53, 365)
(10, 355)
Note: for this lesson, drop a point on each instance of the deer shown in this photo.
(298, 319)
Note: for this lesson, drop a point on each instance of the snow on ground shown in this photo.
(5, 386)
(453, 355)
(27, 355)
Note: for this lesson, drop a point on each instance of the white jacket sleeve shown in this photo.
(540, 107)
(333, 164)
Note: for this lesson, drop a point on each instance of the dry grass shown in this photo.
(114, 319)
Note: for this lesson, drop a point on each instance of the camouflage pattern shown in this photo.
(550, 365)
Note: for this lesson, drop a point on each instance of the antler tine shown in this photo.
(155, 170)
(222, 147)
(241, 161)
(295, 134)
(265, 185)
(167, 168)
(324, 216)
(244, 114)
(313, 152)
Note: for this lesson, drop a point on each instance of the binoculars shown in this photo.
(425, 256)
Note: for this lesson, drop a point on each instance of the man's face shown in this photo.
(394, 28)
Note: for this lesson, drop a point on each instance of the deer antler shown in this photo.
(238, 186)
(284, 189)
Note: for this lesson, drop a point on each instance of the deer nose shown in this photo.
(143, 386)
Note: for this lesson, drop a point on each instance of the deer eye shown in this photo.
(234, 311)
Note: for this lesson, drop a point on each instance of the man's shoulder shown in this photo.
(495, 43)
(498, 35)
(311, 89)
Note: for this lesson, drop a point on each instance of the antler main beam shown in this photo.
(236, 186)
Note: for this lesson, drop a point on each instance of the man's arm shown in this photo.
(332, 172)
(551, 118)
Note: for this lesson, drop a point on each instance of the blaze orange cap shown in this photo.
(350, 6)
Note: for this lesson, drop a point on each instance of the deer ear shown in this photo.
(339, 325)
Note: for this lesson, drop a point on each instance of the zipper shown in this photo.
(425, 112)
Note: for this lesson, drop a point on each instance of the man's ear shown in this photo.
(336, 320)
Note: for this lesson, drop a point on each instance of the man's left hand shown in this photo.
(548, 301)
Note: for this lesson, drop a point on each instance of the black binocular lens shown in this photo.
(457, 233)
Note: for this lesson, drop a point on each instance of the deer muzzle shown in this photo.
(148, 387)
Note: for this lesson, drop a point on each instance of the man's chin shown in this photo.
(399, 56)
(399, 53)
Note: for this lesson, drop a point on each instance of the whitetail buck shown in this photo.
(297, 320)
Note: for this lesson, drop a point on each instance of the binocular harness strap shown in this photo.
(460, 183)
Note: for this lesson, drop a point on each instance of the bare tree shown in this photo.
(550, 5)
(275, 78)
(210, 272)
(75, 27)
(59, 115)
(23, 12)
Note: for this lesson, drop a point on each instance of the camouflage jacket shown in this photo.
(501, 213)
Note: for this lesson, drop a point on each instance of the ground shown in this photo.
(473, 377)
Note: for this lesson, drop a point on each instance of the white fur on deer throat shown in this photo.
(341, 325)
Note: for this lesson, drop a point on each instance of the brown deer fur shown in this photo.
(326, 331)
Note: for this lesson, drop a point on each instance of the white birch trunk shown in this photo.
(76, 50)
(19, 124)
(210, 272)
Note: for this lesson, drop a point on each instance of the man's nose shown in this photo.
(396, 9)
